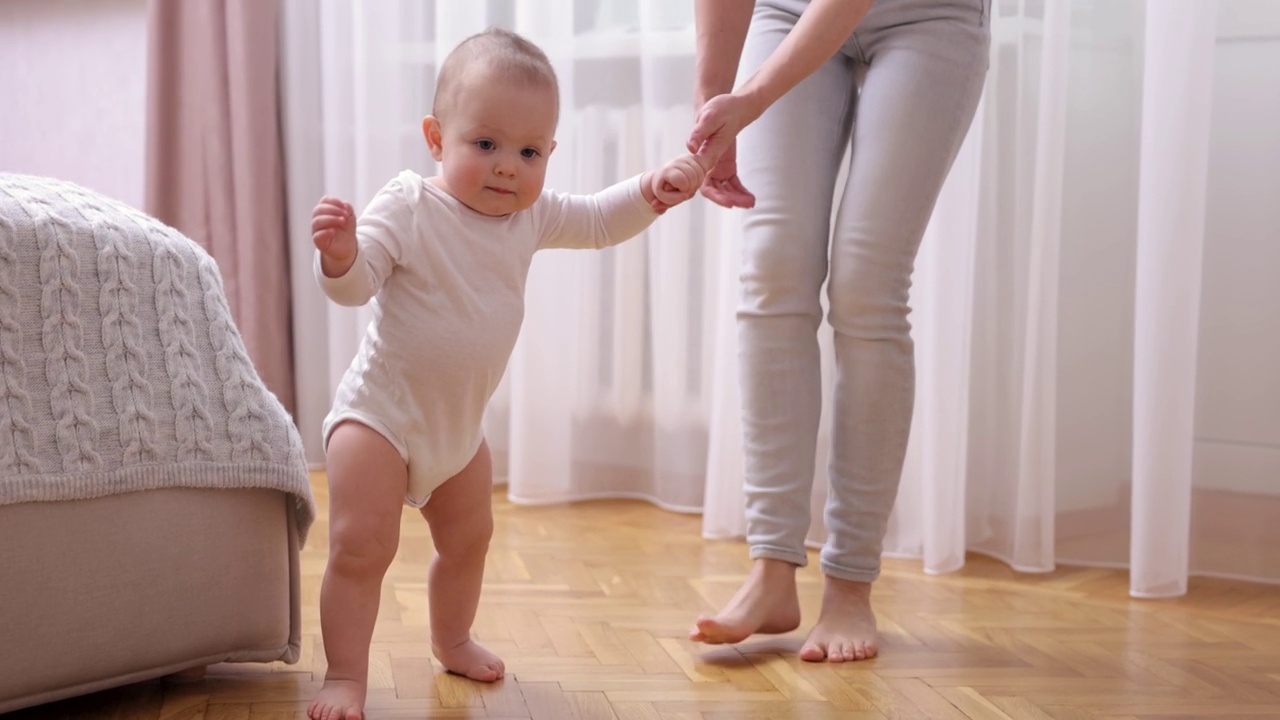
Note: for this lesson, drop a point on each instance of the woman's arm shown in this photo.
(823, 27)
(721, 32)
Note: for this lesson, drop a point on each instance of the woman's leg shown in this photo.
(790, 159)
(923, 83)
(460, 513)
(367, 484)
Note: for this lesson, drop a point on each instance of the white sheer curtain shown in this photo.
(1096, 317)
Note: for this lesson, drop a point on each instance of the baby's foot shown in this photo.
(846, 629)
(338, 700)
(471, 660)
(766, 603)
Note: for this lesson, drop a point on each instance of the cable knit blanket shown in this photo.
(121, 368)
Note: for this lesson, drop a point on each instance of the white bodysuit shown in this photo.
(448, 290)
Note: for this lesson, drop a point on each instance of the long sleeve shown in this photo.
(617, 213)
(355, 287)
(381, 233)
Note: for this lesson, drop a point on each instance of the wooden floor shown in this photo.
(589, 606)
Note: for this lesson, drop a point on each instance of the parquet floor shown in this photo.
(589, 605)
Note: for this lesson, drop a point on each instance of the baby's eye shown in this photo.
(529, 153)
(485, 144)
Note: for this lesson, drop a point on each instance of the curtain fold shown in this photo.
(1079, 400)
(213, 160)
(1178, 62)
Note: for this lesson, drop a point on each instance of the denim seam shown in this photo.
(835, 571)
(800, 559)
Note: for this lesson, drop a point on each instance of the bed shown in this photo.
(153, 494)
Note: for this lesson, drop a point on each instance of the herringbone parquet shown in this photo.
(589, 606)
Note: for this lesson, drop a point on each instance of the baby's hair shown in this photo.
(494, 50)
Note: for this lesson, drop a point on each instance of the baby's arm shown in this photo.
(353, 258)
(620, 211)
(617, 213)
(340, 268)
(674, 183)
(333, 230)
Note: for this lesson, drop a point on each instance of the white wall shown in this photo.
(73, 87)
(1238, 390)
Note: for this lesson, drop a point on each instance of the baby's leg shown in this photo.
(367, 484)
(460, 513)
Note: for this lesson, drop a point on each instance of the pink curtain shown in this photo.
(214, 159)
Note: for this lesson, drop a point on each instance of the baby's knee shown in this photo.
(464, 540)
(363, 546)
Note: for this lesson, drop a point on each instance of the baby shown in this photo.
(445, 260)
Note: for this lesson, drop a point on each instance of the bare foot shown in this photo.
(766, 603)
(470, 660)
(846, 629)
(338, 700)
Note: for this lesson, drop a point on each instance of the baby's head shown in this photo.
(494, 121)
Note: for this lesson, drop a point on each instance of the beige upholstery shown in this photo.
(153, 493)
(103, 592)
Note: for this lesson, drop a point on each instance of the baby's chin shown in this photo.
(498, 205)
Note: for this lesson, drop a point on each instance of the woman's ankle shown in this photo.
(773, 566)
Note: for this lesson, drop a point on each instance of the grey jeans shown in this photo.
(903, 90)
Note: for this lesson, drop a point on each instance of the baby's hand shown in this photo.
(333, 230)
(677, 181)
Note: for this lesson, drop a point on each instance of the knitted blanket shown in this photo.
(120, 366)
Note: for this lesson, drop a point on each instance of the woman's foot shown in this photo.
(471, 660)
(338, 700)
(766, 603)
(846, 629)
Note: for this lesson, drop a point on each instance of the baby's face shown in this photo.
(495, 143)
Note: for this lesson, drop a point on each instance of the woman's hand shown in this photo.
(722, 186)
(714, 140)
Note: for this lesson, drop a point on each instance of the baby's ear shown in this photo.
(431, 132)
(552, 148)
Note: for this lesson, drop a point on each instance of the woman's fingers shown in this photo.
(715, 128)
(707, 126)
(715, 147)
(728, 192)
(744, 197)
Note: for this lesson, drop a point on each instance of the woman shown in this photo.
(895, 83)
